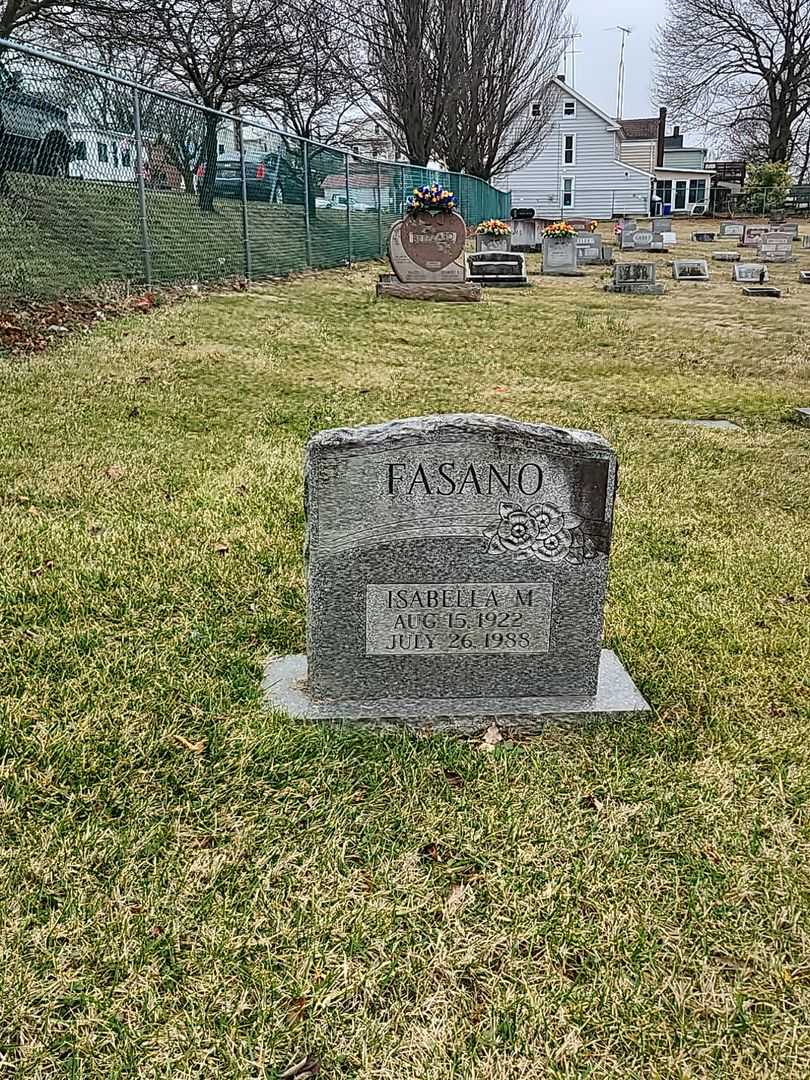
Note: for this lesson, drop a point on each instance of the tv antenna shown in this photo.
(568, 44)
(624, 30)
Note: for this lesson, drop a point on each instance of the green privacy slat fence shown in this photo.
(106, 181)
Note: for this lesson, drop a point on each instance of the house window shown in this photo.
(103, 153)
(697, 191)
(80, 151)
(568, 192)
(115, 154)
(663, 189)
(569, 108)
(126, 156)
(537, 108)
(680, 195)
(569, 149)
(221, 148)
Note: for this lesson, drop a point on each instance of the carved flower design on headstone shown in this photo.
(542, 531)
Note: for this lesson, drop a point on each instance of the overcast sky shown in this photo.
(597, 59)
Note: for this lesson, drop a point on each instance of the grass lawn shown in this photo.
(60, 236)
(191, 887)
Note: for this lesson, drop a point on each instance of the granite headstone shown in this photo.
(752, 233)
(690, 270)
(731, 229)
(456, 571)
(501, 269)
(428, 248)
(635, 277)
(750, 272)
(560, 255)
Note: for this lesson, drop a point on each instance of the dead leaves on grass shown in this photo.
(491, 737)
(193, 747)
(304, 1069)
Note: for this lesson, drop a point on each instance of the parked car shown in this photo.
(35, 133)
(262, 180)
(337, 201)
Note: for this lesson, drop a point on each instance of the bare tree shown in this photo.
(463, 80)
(18, 17)
(213, 50)
(506, 52)
(400, 58)
(738, 66)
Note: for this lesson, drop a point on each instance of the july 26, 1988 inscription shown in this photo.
(458, 617)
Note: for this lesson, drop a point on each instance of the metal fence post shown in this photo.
(139, 169)
(379, 212)
(402, 189)
(348, 213)
(245, 222)
(307, 235)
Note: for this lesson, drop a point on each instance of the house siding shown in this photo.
(687, 158)
(603, 185)
(639, 152)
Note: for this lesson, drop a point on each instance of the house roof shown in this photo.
(569, 91)
(646, 128)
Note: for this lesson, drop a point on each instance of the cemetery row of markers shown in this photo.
(457, 565)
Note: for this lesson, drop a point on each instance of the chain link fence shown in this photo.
(104, 180)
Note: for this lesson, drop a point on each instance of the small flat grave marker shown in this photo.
(806, 243)
(802, 416)
(726, 256)
(804, 277)
(499, 269)
(704, 237)
(714, 425)
(762, 290)
(456, 571)
(690, 270)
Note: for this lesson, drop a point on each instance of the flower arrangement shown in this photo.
(431, 197)
(594, 225)
(559, 230)
(494, 227)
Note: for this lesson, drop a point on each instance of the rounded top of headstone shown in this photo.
(441, 426)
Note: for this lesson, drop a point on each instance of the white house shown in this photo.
(102, 155)
(682, 181)
(578, 169)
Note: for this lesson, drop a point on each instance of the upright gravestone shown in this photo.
(690, 270)
(635, 277)
(775, 247)
(426, 252)
(756, 273)
(729, 229)
(491, 242)
(560, 255)
(790, 229)
(806, 242)
(752, 233)
(591, 251)
(457, 568)
(526, 234)
(642, 240)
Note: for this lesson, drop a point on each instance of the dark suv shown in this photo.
(35, 133)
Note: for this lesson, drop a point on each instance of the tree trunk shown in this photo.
(209, 158)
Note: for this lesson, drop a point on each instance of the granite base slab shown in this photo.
(762, 290)
(284, 687)
(638, 288)
(500, 281)
(452, 292)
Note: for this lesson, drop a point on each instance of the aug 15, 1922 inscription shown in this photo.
(458, 617)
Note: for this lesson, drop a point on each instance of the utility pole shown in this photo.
(624, 30)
